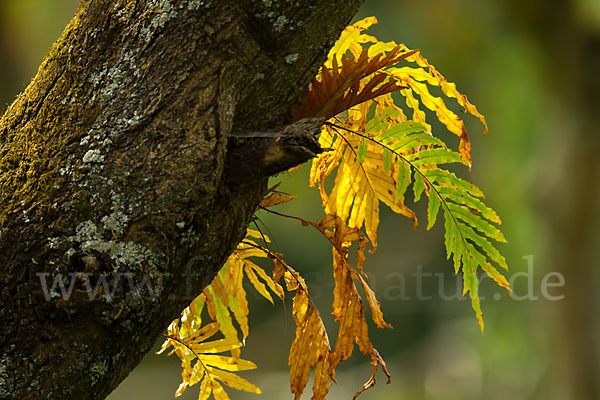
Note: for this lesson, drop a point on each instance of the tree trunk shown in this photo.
(120, 197)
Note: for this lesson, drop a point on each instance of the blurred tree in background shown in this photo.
(532, 69)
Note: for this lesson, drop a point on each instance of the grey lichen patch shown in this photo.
(291, 58)
(197, 5)
(70, 253)
(54, 242)
(85, 231)
(115, 222)
(115, 76)
(280, 22)
(92, 156)
(4, 380)
(164, 11)
(25, 218)
(272, 12)
(163, 14)
(133, 254)
(89, 237)
(98, 370)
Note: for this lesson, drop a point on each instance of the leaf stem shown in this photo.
(190, 349)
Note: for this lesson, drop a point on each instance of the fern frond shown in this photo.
(222, 298)
(378, 156)
(468, 221)
(202, 364)
(339, 88)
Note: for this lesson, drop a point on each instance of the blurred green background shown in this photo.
(533, 69)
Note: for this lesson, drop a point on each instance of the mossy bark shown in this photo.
(113, 167)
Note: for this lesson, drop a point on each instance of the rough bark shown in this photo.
(114, 163)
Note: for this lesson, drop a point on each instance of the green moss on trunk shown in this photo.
(112, 164)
